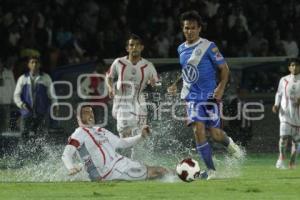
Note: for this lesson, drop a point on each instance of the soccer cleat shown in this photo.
(212, 174)
(203, 175)
(292, 165)
(207, 174)
(234, 150)
(280, 164)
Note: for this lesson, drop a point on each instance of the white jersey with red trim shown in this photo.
(129, 102)
(131, 79)
(97, 148)
(286, 97)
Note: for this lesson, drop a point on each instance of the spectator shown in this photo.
(255, 41)
(290, 46)
(163, 45)
(237, 14)
(216, 31)
(87, 22)
(212, 7)
(33, 96)
(264, 50)
(94, 84)
(7, 87)
(276, 44)
(238, 38)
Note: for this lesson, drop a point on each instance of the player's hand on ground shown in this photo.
(275, 109)
(146, 131)
(152, 82)
(218, 93)
(172, 89)
(75, 170)
(111, 92)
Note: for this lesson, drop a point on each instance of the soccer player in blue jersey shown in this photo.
(201, 60)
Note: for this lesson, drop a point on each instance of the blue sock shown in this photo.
(205, 152)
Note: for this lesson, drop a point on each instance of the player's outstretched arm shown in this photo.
(67, 158)
(131, 141)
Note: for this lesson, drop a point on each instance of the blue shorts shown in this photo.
(209, 114)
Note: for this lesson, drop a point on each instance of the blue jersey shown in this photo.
(199, 63)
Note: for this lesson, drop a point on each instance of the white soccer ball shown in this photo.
(188, 169)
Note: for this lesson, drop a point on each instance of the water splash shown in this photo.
(39, 161)
(36, 161)
(171, 141)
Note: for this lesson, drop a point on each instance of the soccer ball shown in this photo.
(188, 169)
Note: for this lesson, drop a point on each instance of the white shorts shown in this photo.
(129, 115)
(128, 170)
(290, 130)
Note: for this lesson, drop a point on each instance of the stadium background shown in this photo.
(83, 31)
(255, 36)
(247, 83)
(257, 136)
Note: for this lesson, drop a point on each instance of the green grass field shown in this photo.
(257, 179)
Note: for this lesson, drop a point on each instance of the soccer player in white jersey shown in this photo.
(201, 60)
(97, 149)
(287, 103)
(126, 80)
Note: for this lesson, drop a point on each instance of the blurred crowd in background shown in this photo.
(66, 32)
(74, 31)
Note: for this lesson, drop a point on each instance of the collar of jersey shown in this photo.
(127, 60)
(195, 43)
(295, 76)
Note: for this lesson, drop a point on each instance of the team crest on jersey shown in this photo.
(198, 52)
(218, 56)
(133, 71)
(190, 73)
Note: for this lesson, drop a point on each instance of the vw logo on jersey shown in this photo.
(190, 73)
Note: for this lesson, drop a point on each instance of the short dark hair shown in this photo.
(81, 107)
(33, 57)
(133, 36)
(191, 15)
(293, 60)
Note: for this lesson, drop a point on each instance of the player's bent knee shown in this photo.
(217, 134)
(284, 139)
